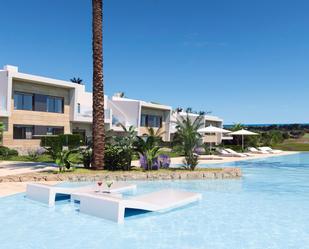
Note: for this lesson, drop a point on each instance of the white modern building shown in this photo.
(207, 120)
(32, 106)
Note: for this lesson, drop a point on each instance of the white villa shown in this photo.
(207, 121)
(32, 106)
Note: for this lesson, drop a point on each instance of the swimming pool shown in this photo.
(268, 208)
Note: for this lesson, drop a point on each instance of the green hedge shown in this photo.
(6, 152)
(70, 140)
(55, 144)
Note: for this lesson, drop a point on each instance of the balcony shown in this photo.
(3, 107)
(84, 114)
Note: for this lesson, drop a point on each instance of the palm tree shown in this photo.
(237, 127)
(158, 133)
(77, 80)
(1, 131)
(98, 131)
(188, 137)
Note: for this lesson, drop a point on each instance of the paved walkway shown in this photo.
(11, 188)
(16, 168)
(204, 159)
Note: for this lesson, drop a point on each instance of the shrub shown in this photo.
(6, 152)
(73, 141)
(54, 144)
(63, 160)
(86, 157)
(148, 149)
(117, 158)
(119, 150)
(164, 161)
(190, 161)
(161, 162)
(33, 155)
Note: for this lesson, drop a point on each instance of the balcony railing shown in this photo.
(85, 113)
(3, 107)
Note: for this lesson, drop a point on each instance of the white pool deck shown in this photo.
(13, 168)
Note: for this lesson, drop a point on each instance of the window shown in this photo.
(151, 120)
(144, 120)
(23, 131)
(35, 131)
(18, 101)
(59, 105)
(50, 104)
(41, 130)
(154, 121)
(37, 102)
(23, 101)
(40, 102)
(78, 108)
(54, 104)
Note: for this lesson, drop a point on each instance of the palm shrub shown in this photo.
(237, 127)
(190, 161)
(157, 134)
(188, 138)
(63, 160)
(148, 148)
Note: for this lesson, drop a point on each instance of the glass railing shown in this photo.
(3, 107)
(86, 112)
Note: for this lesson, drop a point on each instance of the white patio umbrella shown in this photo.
(212, 129)
(243, 133)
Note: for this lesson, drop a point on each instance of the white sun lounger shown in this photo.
(113, 209)
(256, 151)
(47, 194)
(270, 150)
(226, 153)
(237, 153)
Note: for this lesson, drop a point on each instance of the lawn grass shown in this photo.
(42, 159)
(289, 146)
(300, 144)
(306, 136)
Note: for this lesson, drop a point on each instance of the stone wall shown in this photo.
(224, 173)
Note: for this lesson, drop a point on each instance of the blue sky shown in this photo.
(245, 60)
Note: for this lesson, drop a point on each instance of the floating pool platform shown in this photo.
(47, 194)
(113, 208)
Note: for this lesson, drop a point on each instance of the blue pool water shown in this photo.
(268, 208)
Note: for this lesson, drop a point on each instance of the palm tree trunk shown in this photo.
(98, 131)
